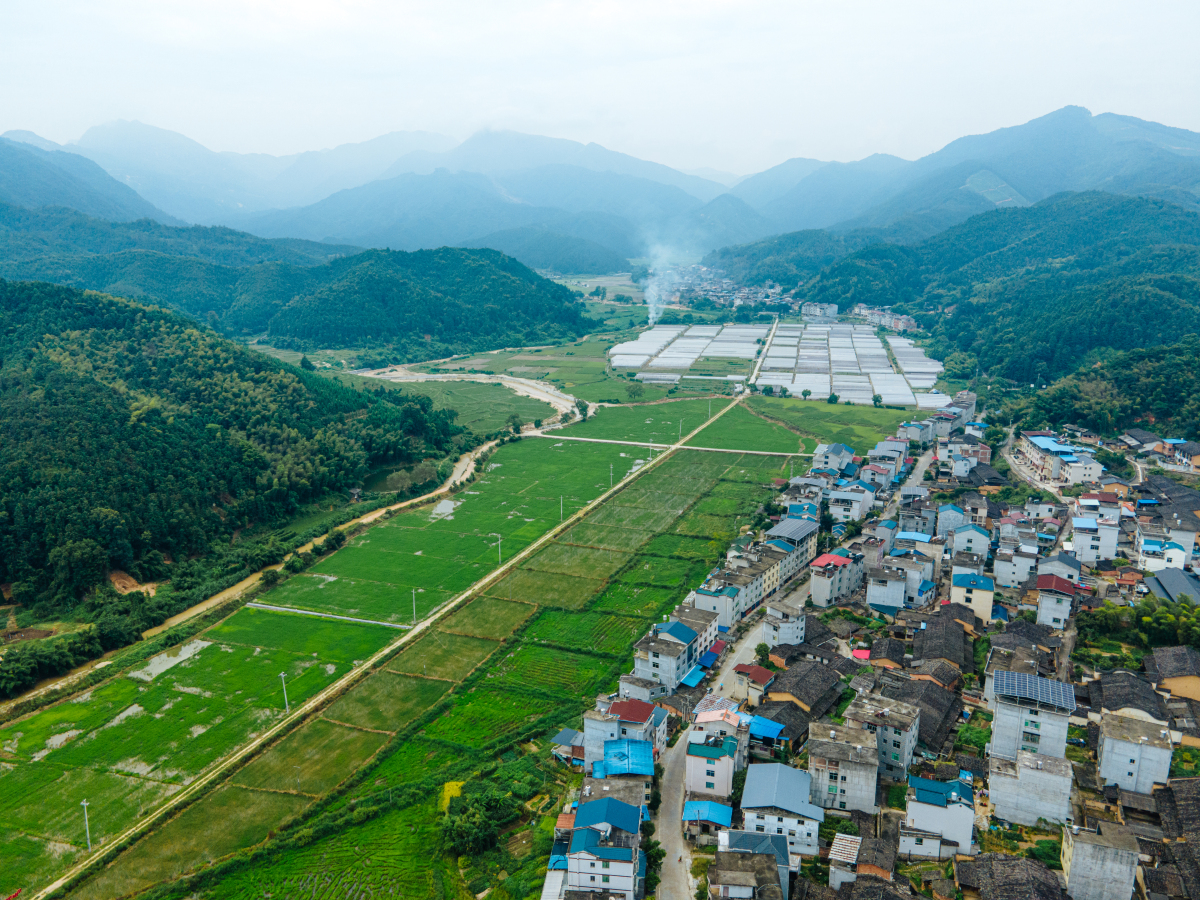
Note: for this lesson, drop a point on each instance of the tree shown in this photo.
(877, 399)
(833, 398)
(768, 391)
(762, 652)
(582, 406)
(635, 390)
(514, 423)
(806, 393)
(306, 364)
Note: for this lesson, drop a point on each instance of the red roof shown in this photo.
(1054, 583)
(829, 559)
(632, 710)
(756, 674)
(566, 821)
(718, 647)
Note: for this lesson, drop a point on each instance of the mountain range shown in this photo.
(559, 204)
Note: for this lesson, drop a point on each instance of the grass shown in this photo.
(557, 670)
(447, 656)
(741, 429)
(482, 407)
(479, 717)
(488, 617)
(229, 818)
(305, 635)
(386, 701)
(657, 423)
(312, 759)
(860, 427)
(586, 630)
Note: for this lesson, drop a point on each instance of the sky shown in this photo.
(733, 86)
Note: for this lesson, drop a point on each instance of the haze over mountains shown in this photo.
(569, 206)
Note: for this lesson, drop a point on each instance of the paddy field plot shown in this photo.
(657, 423)
(553, 669)
(481, 716)
(488, 617)
(228, 819)
(860, 427)
(607, 537)
(386, 701)
(442, 550)
(437, 654)
(546, 588)
(571, 559)
(483, 407)
(740, 429)
(313, 759)
(593, 631)
(633, 599)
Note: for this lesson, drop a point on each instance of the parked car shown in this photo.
(1077, 742)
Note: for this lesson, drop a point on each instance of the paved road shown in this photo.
(676, 884)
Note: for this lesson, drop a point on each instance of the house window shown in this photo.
(895, 731)
(624, 731)
(842, 804)
(604, 864)
(593, 878)
(895, 743)
(709, 784)
(593, 865)
(604, 879)
(654, 656)
(779, 831)
(760, 828)
(711, 773)
(920, 841)
(896, 756)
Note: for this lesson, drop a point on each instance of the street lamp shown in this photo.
(287, 706)
(86, 827)
(499, 555)
(414, 606)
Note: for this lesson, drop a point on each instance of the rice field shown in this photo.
(488, 617)
(483, 715)
(450, 657)
(657, 423)
(740, 429)
(386, 701)
(557, 670)
(860, 427)
(585, 630)
(313, 759)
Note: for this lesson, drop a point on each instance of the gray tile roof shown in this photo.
(778, 786)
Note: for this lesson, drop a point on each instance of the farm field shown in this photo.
(128, 744)
(482, 695)
(442, 550)
(657, 423)
(740, 429)
(482, 407)
(860, 427)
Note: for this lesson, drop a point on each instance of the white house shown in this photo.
(1031, 713)
(940, 819)
(711, 763)
(835, 576)
(1132, 753)
(1031, 787)
(832, 456)
(844, 766)
(776, 800)
(605, 850)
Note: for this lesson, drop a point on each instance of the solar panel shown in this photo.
(1035, 688)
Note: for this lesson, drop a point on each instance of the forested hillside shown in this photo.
(418, 305)
(1028, 294)
(131, 436)
(1157, 387)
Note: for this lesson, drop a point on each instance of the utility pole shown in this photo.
(86, 827)
(560, 509)
(297, 768)
(499, 538)
(610, 476)
(287, 706)
(414, 606)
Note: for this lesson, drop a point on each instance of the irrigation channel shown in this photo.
(319, 700)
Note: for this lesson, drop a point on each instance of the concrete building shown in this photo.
(975, 591)
(835, 576)
(896, 727)
(886, 589)
(1012, 567)
(712, 761)
(1031, 714)
(1064, 565)
(784, 622)
(775, 800)
(939, 821)
(604, 854)
(832, 456)
(970, 538)
(701, 621)
(1055, 596)
(666, 654)
(844, 766)
(1031, 787)
(1101, 864)
(752, 842)
(744, 876)
(1094, 539)
(949, 518)
(1132, 753)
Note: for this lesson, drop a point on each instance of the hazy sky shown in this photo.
(737, 86)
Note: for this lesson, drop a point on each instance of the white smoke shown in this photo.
(662, 282)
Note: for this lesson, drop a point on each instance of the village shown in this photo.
(884, 694)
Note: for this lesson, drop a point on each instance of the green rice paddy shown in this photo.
(860, 427)
(740, 429)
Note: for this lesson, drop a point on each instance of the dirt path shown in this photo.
(237, 757)
(561, 401)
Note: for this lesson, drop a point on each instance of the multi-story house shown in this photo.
(1094, 539)
(1031, 714)
(776, 800)
(712, 761)
(832, 456)
(835, 576)
(604, 855)
(896, 727)
(1133, 754)
(666, 654)
(939, 819)
(844, 766)
(1055, 597)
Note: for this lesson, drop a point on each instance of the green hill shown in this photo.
(418, 305)
(132, 436)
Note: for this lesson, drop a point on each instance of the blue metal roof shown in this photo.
(974, 528)
(950, 507)
(693, 678)
(926, 585)
(608, 811)
(679, 631)
(938, 793)
(587, 840)
(765, 728)
(707, 658)
(707, 811)
(971, 580)
(919, 536)
(628, 757)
